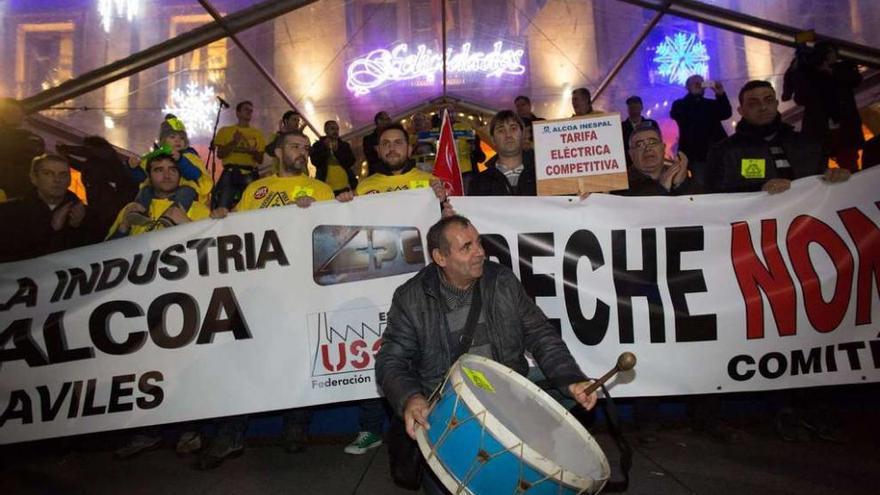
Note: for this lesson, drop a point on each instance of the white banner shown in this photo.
(279, 308)
(713, 293)
(265, 310)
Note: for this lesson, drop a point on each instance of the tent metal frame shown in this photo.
(238, 21)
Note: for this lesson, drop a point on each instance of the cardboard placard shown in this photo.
(581, 154)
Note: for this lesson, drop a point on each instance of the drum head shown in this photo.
(534, 417)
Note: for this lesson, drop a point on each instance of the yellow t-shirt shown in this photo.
(337, 177)
(380, 183)
(2, 196)
(253, 141)
(157, 207)
(280, 191)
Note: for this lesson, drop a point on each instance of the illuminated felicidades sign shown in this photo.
(381, 67)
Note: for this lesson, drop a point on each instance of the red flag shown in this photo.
(446, 163)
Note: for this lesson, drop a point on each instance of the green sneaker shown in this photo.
(364, 442)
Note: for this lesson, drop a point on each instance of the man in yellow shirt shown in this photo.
(292, 185)
(164, 178)
(399, 171)
(241, 148)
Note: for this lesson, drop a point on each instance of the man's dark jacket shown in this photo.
(699, 124)
(320, 156)
(492, 182)
(643, 185)
(416, 355)
(27, 229)
(726, 158)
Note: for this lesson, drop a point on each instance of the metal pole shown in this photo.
(443, 37)
(260, 68)
(157, 54)
(755, 27)
(629, 53)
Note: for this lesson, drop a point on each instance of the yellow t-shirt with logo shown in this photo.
(253, 141)
(280, 191)
(157, 207)
(381, 183)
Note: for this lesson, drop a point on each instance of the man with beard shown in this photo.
(292, 185)
(398, 171)
(511, 172)
(371, 142)
(765, 154)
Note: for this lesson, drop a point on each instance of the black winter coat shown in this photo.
(699, 124)
(726, 158)
(642, 185)
(27, 229)
(492, 182)
(416, 355)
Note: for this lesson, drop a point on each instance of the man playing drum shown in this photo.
(428, 316)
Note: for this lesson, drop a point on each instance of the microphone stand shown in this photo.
(212, 165)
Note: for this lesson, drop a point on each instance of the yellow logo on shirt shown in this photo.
(753, 168)
(416, 184)
(300, 191)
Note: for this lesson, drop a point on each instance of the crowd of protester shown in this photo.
(171, 185)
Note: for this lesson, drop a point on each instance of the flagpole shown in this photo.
(443, 21)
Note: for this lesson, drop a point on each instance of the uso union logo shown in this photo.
(343, 342)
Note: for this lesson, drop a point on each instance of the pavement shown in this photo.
(680, 461)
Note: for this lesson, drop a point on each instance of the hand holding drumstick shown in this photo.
(585, 392)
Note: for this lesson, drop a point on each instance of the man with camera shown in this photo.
(699, 122)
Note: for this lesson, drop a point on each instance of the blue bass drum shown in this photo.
(492, 431)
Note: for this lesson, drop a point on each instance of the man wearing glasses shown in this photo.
(652, 173)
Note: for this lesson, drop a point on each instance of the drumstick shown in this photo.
(626, 361)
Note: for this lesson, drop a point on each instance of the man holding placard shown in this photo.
(580, 155)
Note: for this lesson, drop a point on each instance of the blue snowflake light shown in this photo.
(680, 57)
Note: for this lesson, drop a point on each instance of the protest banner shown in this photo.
(281, 308)
(580, 154)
